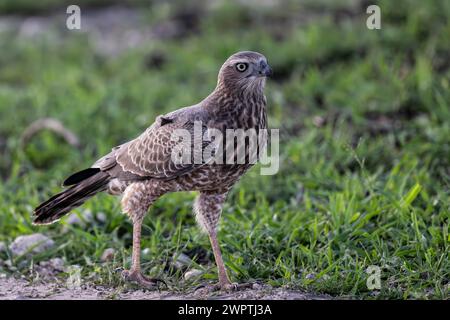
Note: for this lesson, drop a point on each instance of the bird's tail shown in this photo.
(84, 184)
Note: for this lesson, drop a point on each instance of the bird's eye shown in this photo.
(241, 67)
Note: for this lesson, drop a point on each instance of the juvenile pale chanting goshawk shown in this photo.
(143, 169)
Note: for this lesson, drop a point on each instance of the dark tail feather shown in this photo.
(80, 176)
(61, 203)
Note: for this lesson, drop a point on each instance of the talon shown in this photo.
(126, 275)
(201, 286)
(208, 288)
(140, 279)
(229, 286)
(157, 280)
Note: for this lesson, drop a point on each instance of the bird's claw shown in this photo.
(140, 279)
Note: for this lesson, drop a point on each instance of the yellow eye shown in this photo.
(241, 67)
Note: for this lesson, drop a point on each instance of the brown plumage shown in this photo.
(142, 169)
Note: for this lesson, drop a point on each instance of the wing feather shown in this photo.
(150, 154)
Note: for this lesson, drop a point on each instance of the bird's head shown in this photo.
(244, 71)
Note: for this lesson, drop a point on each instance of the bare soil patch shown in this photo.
(21, 289)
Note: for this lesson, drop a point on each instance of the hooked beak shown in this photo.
(264, 69)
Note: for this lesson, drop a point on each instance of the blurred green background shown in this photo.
(364, 119)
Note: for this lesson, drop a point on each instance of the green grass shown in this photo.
(364, 120)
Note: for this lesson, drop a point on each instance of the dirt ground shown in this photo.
(20, 289)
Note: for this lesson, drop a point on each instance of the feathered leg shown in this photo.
(137, 199)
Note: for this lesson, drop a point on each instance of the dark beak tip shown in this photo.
(264, 69)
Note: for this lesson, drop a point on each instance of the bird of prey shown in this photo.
(142, 170)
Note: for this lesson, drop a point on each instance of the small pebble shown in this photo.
(310, 276)
(257, 286)
(108, 255)
(31, 244)
(192, 274)
(80, 219)
(101, 217)
(181, 261)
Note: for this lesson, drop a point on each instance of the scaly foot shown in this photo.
(140, 279)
